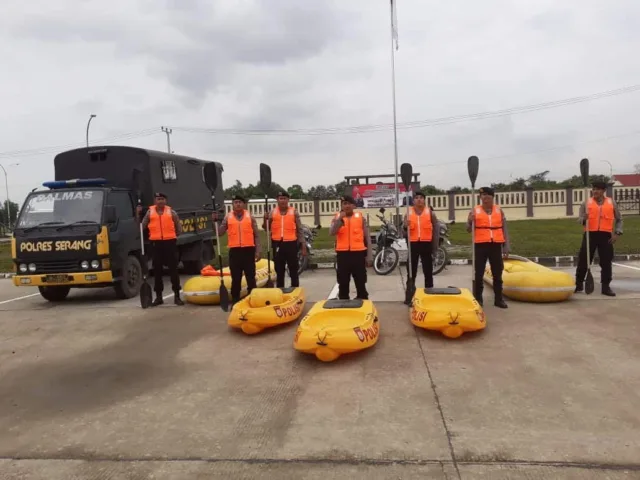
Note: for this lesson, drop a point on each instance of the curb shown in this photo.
(7, 275)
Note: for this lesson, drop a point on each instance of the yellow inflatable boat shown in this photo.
(205, 289)
(528, 281)
(335, 327)
(451, 311)
(265, 308)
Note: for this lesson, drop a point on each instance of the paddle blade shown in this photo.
(588, 284)
(224, 294)
(145, 295)
(410, 292)
(584, 171)
(473, 165)
(210, 176)
(406, 172)
(265, 176)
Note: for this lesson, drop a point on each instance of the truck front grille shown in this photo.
(57, 267)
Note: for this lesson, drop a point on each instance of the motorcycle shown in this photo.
(441, 256)
(387, 256)
(309, 235)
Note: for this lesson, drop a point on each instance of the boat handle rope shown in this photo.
(454, 321)
(321, 342)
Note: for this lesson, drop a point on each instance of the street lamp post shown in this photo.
(610, 169)
(89, 123)
(6, 186)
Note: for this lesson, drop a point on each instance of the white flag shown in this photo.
(394, 22)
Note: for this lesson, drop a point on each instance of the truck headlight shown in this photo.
(23, 268)
(32, 267)
(95, 264)
(84, 265)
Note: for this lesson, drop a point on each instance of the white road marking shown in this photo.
(626, 266)
(18, 298)
(334, 292)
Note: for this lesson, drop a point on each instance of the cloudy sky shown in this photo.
(198, 65)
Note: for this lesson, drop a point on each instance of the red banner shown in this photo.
(380, 195)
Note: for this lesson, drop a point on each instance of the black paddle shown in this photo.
(473, 165)
(210, 174)
(406, 172)
(265, 183)
(146, 296)
(584, 171)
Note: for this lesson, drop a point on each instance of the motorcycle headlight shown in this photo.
(84, 265)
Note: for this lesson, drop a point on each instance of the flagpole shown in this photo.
(395, 132)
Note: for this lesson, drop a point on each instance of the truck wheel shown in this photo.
(54, 294)
(129, 285)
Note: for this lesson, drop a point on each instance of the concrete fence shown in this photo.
(528, 204)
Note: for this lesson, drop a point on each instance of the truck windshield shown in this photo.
(61, 207)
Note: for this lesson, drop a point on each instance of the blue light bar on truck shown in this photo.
(78, 182)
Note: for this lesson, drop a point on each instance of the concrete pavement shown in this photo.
(99, 388)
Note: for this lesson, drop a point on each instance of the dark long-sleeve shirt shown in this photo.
(299, 231)
(506, 247)
(224, 226)
(435, 237)
(338, 223)
(618, 225)
(174, 216)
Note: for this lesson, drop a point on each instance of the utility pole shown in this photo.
(6, 186)
(394, 37)
(168, 131)
(89, 123)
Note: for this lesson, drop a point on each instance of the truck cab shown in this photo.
(84, 233)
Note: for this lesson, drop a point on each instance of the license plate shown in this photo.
(56, 278)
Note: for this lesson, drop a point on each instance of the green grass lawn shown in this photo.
(529, 238)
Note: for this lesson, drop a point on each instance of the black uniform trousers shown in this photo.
(597, 241)
(352, 264)
(491, 251)
(242, 260)
(285, 254)
(422, 250)
(165, 252)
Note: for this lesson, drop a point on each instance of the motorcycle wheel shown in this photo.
(440, 259)
(303, 263)
(386, 260)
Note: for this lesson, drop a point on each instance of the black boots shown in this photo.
(579, 287)
(606, 290)
(177, 300)
(160, 301)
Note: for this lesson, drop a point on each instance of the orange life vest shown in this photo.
(161, 227)
(601, 217)
(488, 227)
(283, 227)
(239, 232)
(350, 237)
(420, 226)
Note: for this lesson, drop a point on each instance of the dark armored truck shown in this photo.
(82, 232)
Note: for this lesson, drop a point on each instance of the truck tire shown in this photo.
(129, 285)
(193, 267)
(54, 294)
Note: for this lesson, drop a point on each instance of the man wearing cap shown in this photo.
(286, 236)
(353, 249)
(424, 235)
(491, 243)
(243, 243)
(603, 222)
(164, 227)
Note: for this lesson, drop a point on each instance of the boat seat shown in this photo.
(288, 289)
(338, 303)
(443, 291)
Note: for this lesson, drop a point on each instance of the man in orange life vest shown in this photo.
(603, 221)
(491, 243)
(164, 227)
(286, 237)
(243, 243)
(424, 236)
(353, 249)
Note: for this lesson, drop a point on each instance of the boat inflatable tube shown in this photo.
(451, 311)
(337, 327)
(205, 289)
(528, 281)
(266, 308)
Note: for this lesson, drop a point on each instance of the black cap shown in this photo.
(283, 193)
(160, 195)
(419, 194)
(348, 199)
(599, 184)
(239, 197)
(487, 190)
